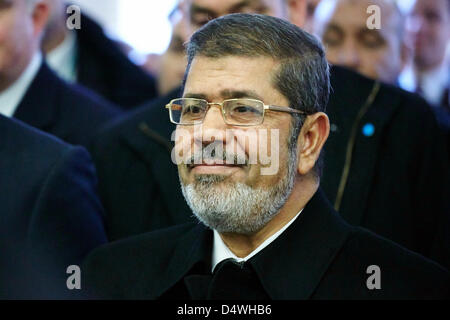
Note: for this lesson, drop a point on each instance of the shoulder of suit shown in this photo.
(368, 248)
(21, 134)
(126, 253)
(87, 99)
(36, 151)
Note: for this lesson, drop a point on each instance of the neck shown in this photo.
(54, 37)
(242, 245)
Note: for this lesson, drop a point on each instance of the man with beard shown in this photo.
(264, 235)
(386, 169)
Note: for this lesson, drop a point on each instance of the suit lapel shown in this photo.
(38, 107)
(194, 248)
(292, 266)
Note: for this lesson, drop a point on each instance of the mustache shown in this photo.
(211, 156)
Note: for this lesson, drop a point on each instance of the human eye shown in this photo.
(333, 37)
(192, 109)
(372, 39)
(244, 109)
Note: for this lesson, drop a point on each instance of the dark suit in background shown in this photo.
(398, 161)
(50, 214)
(138, 183)
(318, 257)
(105, 69)
(69, 112)
(396, 185)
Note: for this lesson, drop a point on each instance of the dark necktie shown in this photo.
(231, 280)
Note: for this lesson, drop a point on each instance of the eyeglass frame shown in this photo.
(265, 107)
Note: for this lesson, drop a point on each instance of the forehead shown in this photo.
(352, 14)
(214, 78)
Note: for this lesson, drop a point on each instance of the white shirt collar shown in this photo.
(63, 58)
(222, 252)
(13, 95)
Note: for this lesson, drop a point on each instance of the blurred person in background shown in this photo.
(378, 53)
(381, 172)
(170, 66)
(88, 57)
(30, 91)
(429, 34)
(311, 9)
(50, 214)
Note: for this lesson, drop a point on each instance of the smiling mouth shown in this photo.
(213, 165)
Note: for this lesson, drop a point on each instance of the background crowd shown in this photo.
(85, 137)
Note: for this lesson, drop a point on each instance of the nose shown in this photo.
(213, 118)
(213, 127)
(349, 56)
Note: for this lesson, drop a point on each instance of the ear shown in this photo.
(41, 14)
(312, 137)
(297, 11)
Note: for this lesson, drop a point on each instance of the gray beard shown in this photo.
(230, 207)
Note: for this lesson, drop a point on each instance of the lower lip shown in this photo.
(214, 169)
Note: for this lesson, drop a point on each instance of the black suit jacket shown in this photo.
(104, 68)
(397, 178)
(69, 112)
(318, 257)
(50, 214)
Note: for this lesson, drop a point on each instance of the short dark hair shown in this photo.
(303, 75)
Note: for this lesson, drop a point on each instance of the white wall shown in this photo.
(141, 23)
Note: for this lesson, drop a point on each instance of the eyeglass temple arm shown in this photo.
(284, 109)
(276, 108)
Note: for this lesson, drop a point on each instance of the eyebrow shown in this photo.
(241, 5)
(334, 27)
(228, 94)
(196, 9)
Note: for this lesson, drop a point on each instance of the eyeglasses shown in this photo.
(236, 112)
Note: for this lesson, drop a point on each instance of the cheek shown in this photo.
(389, 56)
(5, 32)
(183, 145)
(332, 54)
(7, 49)
(273, 157)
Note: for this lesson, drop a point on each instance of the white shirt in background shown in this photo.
(13, 95)
(63, 59)
(433, 82)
